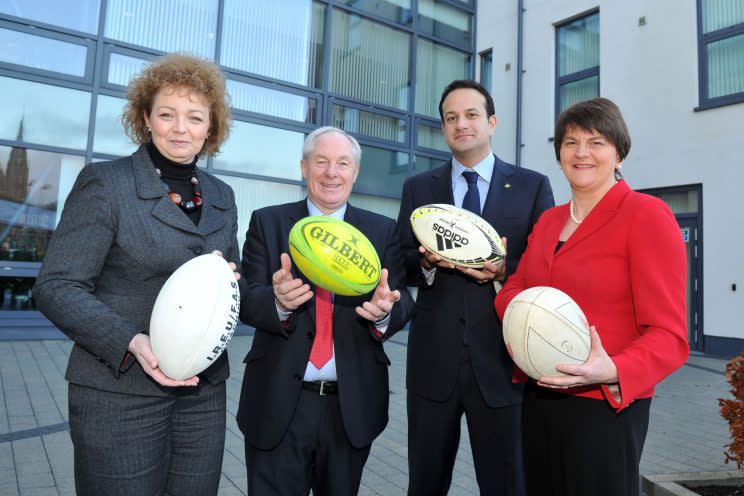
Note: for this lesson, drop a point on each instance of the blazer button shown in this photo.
(297, 377)
(197, 250)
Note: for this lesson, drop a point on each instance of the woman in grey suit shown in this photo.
(127, 225)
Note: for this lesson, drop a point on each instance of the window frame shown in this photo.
(573, 77)
(705, 39)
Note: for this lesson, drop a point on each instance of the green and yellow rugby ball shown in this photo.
(334, 255)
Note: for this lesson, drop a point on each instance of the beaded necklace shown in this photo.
(187, 206)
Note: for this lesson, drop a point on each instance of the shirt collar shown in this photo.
(484, 168)
(338, 214)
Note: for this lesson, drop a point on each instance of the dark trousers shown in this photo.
(580, 446)
(145, 445)
(434, 436)
(315, 453)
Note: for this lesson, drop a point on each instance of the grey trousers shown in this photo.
(144, 445)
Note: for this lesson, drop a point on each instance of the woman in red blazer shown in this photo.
(620, 256)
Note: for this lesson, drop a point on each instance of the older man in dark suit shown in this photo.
(457, 361)
(315, 389)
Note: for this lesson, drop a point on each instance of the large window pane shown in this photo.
(382, 172)
(254, 98)
(726, 67)
(252, 194)
(369, 61)
(578, 91)
(109, 136)
(578, 45)
(281, 39)
(80, 15)
(445, 22)
(431, 137)
(436, 67)
(396, 10)
(719, 14)
(421, 164)
(262, 150)
(33, 187)
(122, 68)
(44, 114)
(41, 52)
(388, 207)
(167, 25)
(375, 125)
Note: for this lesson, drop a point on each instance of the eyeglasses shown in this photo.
(342, 165)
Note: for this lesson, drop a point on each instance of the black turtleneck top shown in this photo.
(176, 176)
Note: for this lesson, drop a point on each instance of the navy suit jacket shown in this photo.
(276, 363)
(456, 306)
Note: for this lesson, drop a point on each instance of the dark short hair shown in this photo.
(470, 85)
(176, 71)
(598, 114)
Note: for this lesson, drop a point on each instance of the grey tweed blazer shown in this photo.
(118, 240)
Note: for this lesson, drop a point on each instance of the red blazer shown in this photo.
(626, 268)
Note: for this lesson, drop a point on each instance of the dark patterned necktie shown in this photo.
(471, 201)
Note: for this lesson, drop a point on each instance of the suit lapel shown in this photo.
(149, 186)
(600, 215)
(214, 209)
(499, 194)
(442, 185)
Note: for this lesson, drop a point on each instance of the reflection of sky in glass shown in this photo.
(262, 150)
(167, 25)
(279, 39)
(51, 115)
(42, 53)
(109, 136)
(122, 68)
(262, 100)
(80, 15)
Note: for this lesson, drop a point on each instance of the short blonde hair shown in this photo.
(179, 70)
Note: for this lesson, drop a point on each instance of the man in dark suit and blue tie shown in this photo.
(457, 361)
(315, 388)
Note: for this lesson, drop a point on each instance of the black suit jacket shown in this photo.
(276, 363)
(455, 304)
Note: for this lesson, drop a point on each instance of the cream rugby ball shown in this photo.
(195, 316)
(544, 327)
(457, 235)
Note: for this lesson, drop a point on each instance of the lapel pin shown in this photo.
(507, 186)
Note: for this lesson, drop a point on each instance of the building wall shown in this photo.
(651, 72)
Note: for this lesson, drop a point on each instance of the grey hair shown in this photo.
(309, 145)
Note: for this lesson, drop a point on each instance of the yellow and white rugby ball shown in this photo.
(457, 235)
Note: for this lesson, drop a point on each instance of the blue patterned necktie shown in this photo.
(471, 201)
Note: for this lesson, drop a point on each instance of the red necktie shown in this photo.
(323, 343)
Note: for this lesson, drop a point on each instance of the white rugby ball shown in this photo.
(194, 316)
(544, 327)
(457, 235)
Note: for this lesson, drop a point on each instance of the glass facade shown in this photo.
(721, 46)
(577, 45)
(373, 68)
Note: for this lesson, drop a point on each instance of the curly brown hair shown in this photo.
(179, 70)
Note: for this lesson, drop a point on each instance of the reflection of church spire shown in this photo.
(14, 182)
